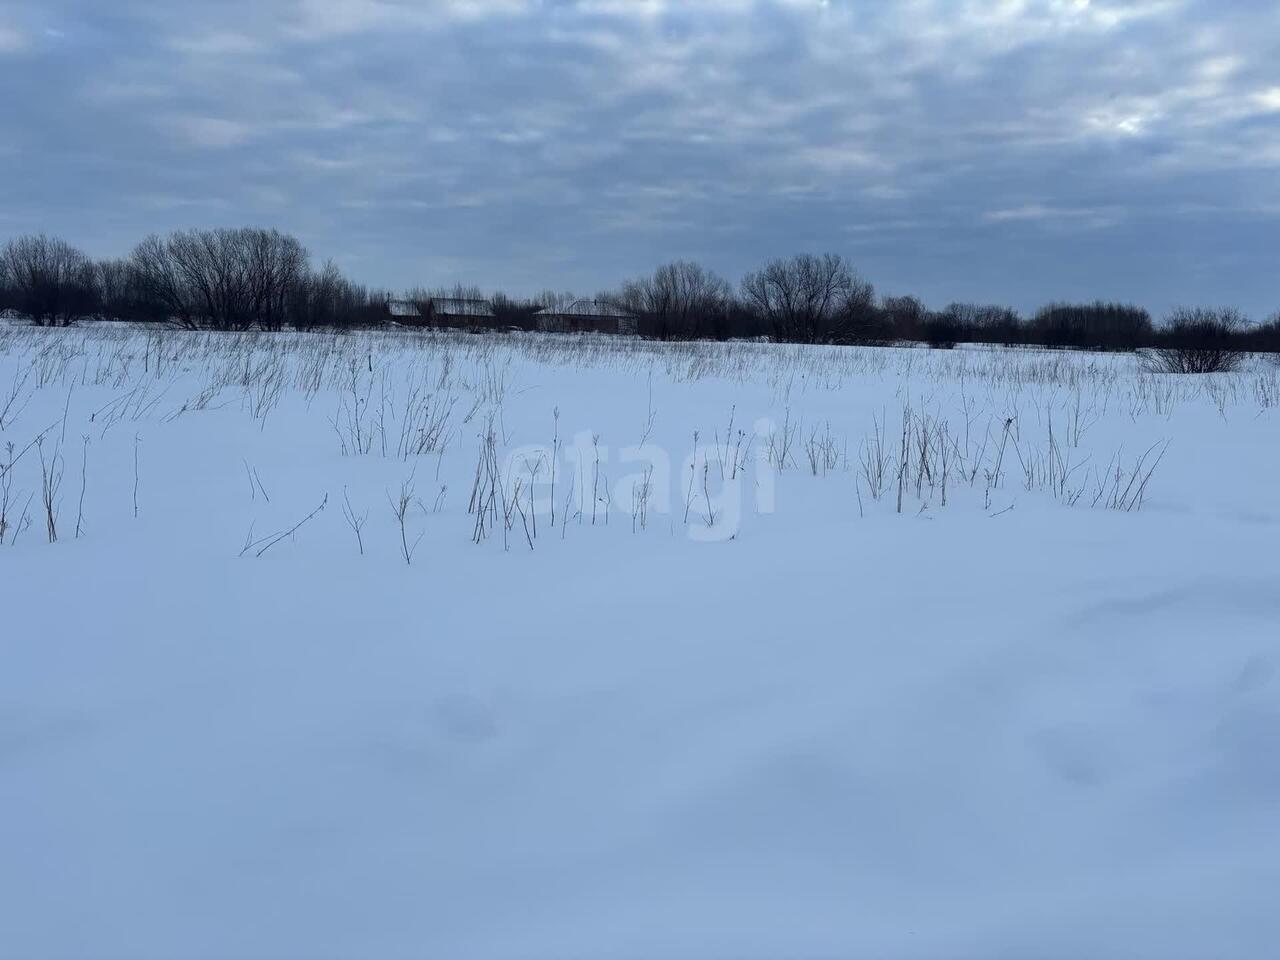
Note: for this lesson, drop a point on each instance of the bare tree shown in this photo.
(325, 299)
(274, 263)
(216, 276)
(223, 279)
(680, 301)
(50, 281)
(123, 294)
(115, 292)
(160, 282)
(905, 317)
(809, 298)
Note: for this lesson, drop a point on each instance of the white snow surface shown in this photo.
(817, 727)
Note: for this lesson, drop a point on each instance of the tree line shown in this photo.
(249, 278)
(199, 279)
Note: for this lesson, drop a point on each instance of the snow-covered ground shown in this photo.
(751, 696)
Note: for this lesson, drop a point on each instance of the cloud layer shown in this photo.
(1007, 150)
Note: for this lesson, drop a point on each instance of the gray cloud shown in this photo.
(1010, 150)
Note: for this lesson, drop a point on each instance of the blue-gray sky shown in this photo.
(1014, 151)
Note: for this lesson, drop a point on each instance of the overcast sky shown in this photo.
(1013, 151)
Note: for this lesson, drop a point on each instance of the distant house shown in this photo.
(443, 312)
(458, 312)
(589, 316)
(404, 311)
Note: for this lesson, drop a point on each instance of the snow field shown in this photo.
(763, 706)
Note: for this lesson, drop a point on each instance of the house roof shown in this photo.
(403, 308)
(595, 308)
(455, 307)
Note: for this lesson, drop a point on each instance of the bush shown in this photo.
(972, 323)
(1105, 326)
(1199, 341)
(1265, 338)
(941, 330)
(904, 316)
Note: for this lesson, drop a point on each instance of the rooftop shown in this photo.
(594, 308)
(455, 307)
(403, 308)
